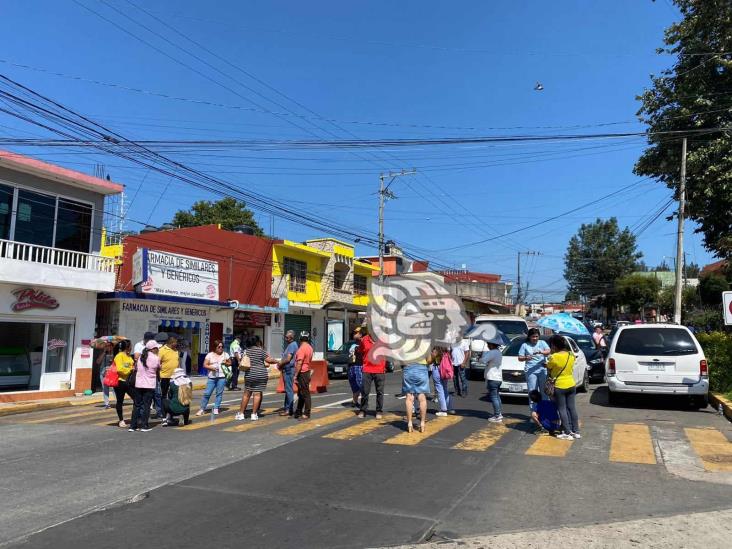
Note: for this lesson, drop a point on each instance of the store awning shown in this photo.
(493, 306)
(340, 306)
(180, 324)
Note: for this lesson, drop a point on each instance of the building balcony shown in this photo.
(34, 265)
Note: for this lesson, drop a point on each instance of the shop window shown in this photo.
(6, 207)
(73, 226)
(360, 284)
(21, 355)
(340, 273)
(57, 348)
(35, 218)
(298, 273)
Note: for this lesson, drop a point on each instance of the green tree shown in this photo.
(597, 255)
(711, 287)
(663, 267)
(694, 95)
(228, 212)
(637, 291)
(692, 270)
(690, 301)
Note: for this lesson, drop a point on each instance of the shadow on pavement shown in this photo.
(599, 397)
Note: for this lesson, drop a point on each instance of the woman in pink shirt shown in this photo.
(146, 375)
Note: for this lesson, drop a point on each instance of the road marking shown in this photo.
(248, 425)
(431, 428)
(64, 417)
(204, 422)
(485, 437)
(712, 447)
(311, 424)
(336, 403)
(362, 428)
(631, 443)
(549, 446)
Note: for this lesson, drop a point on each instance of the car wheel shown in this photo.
(585, 386)
(700, 402)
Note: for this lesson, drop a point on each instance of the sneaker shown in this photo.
(361, 415)
(107, 406)
(565, 436)
(378, 415)
(200, 413)
(239, 416)
(451, 412)
(122, 423)
(146, 429)
(441, 414)
(254, 417)
(576, 435)
(164, 423)
(130, 430)
(401, 396)
(496, 419)
(541, 432)
(215, 411)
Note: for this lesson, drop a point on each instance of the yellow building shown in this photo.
(327, 288)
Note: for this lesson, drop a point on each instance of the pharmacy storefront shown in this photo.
(44, 338)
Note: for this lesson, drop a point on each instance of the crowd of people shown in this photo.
(155, 378)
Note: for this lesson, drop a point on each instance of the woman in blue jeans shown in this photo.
(533, 354)
(214, 363)
(441, 385)
(492, 359)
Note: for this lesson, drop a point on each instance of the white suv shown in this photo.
(659, 359)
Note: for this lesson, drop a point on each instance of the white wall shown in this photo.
(74, 305)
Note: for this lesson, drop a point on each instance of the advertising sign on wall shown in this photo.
(335, 334)
(177, 275)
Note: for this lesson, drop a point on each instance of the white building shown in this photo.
(50, 274)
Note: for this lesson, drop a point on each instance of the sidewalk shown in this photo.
(21, 407)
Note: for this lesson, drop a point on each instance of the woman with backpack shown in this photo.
(255, 382)
(178, 400)
(124, 364)
(441, 376)
(561, 383)
(145, 381)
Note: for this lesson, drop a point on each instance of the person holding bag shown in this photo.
(560, 386)
(146, 378)
(216, 363)
(442, 372)
(123, 365)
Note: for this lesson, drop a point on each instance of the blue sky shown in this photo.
(410, 69)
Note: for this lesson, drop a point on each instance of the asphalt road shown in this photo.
(75, 480)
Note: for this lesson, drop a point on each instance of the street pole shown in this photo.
(518, 279)
(384, 194)
(680, 237)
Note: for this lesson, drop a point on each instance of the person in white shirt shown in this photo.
(460, 354)
(492, 359)
(140, 345)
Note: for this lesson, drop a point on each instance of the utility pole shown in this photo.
(518, 277)
(680, 236)
(384, 195)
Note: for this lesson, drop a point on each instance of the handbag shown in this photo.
(246, 364)
(446, 371)
(132, 378)
(549, 384)
(111, 377)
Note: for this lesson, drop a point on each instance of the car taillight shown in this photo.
(611, 367)
(703, 369)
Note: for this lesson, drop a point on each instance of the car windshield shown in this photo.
(511, 328)
(655, 341)
(583, 341)
(515, 345)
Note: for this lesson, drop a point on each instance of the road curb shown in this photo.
(41, 406)
(716, 399)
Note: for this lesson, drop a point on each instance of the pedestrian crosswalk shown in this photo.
(622, 443)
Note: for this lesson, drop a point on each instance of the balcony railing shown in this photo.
(33, 253)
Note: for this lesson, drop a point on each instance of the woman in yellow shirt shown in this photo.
(125, 364)
(560, 367)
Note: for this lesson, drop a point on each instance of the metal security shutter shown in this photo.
(298, 323)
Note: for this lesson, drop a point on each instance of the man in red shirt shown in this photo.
(373, 372)
(303, 358)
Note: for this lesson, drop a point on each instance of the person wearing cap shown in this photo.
(146, 378)
(303, 358)
(287, 366)
(180, 388)
(140, 345)
(355, 367)
(235, 352)
(492, 359)
(374, 373)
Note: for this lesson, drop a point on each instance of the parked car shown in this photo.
(593, 355)
(514, 378)
(511, 326)
(339, 359)
(657, 359)
(15, 368)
